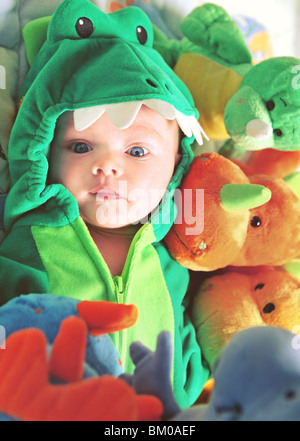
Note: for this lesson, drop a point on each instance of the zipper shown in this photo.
(119, 288)
(120, 281)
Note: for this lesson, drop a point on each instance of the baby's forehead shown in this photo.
(64, 121)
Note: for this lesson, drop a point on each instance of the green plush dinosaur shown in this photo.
(258, 106)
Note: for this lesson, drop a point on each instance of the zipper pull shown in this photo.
(119, 288)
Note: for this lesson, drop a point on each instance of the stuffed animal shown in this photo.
(240, 298)
(209, 234)
(257, 378)
(241, 225)
(272, 163)
(28, 395)
(82, 362)
(266, 162)
(273, 236)
(258, 106)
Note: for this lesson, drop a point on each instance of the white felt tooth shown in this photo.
(84, 118)
(198, 130)
(163, 108)
(184, 124)
(123, 115)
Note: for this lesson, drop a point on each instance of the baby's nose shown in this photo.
(107, 171)
(107, 166)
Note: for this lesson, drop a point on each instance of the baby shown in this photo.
(100, 144)
(118, 176)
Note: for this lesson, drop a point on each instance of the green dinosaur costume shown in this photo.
(88, 61)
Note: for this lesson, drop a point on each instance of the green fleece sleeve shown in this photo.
(190, 373)
(195, 372)
(21, 269)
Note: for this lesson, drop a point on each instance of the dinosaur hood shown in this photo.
(91, 62)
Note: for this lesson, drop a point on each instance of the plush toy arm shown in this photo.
(210, 27)
(169, 49)
(152, 372)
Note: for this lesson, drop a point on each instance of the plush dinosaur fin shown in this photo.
(107, 317)
(68, 350)
(293, 268)
(35, 34)
(293, 180)
(244, 196)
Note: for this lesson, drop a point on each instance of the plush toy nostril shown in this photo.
(150, 82)
(269, 308)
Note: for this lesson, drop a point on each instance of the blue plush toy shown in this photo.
(257, 378)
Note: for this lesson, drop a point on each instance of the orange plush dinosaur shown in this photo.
(239, 229)
(273, 236)
(271, 162)
(237, 299)
(228, 198)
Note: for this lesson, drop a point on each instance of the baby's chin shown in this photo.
(116, 213)
(102, 221)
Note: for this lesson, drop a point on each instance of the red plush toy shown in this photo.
(40, 381)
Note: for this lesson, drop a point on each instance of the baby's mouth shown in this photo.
(104, 194)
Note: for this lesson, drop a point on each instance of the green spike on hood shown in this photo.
(90, 59)
(293, 180)
(244, 196)
(35, 35)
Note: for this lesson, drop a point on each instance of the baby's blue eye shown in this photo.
(81, 147)
(137, 152)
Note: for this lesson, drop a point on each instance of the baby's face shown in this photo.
(118, 176)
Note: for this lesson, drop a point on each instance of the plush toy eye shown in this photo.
(290, 394)
(278, 133)
(255, 222)
(270, 307)
(142, 34)
(270, 105)
(84, 27)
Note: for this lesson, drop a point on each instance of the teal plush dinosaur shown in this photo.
(258, 106)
